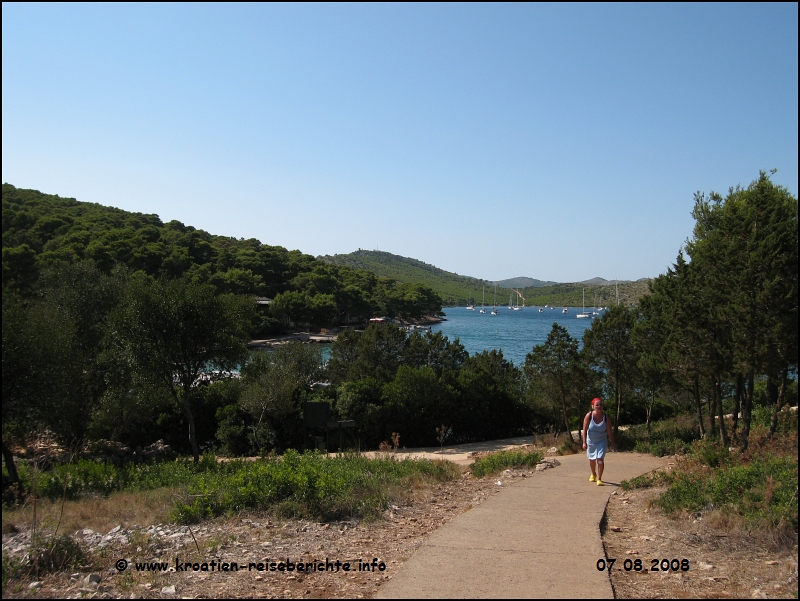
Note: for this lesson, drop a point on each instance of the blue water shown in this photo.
(513, 332)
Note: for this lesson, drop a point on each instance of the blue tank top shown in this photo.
(596, 433)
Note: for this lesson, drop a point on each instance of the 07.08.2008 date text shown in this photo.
(637, 565)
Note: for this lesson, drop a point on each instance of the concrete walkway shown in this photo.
(539, 538)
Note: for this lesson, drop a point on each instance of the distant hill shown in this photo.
(457, 290)
(603, 282)
(522, 282)
(453, 288)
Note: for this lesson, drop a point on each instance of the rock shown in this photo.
(772, 563)
(92, 578)
(705, 566)
(616, 529)
(168, 590)
(34, 585)
(499, 483)
(631, 552)
(114, 530)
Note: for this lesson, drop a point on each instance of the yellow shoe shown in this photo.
(592, 478)
(599, 483)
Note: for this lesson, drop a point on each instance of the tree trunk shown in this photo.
(712, 410)
(650, 409)
(566, 421)
(738, 405)
(773, 423)
(698, 407)
(618, 394)
(747, 410)
(8, 457)
(718, 393)
(187, 410)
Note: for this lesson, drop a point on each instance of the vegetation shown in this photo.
(117, 326)
(458, 290)
(755, 490)
(308, 485)
(43, 230)
(501, 460)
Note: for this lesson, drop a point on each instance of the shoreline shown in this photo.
(329, 336)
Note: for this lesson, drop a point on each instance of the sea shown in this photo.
(513, 332)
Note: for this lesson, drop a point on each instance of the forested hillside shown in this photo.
(43, 230)
(458, 290)
(453, 288)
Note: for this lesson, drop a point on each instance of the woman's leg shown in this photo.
(600, 469)
(592, 464)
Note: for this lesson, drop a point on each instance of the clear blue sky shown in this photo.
(559, 142)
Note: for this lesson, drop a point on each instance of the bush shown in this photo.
(660, 448)
(711, 453)
(764, 492)
(501, 460)
(307, 485)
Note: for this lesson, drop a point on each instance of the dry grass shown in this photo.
(101, 514)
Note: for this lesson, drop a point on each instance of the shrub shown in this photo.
(711, 453)
(501, 460)
(764, 492)
(307, 485)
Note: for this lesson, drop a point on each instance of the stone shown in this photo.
(92, 579)
(34, 585)
(168, 590)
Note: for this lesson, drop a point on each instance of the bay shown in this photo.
(513, 332)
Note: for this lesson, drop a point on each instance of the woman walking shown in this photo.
(597, 432)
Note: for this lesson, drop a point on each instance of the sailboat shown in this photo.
(541, 310)
(516, 306)
(510, 296)
(470, 305)
(583, 313)
(483, 299)
(494, 303)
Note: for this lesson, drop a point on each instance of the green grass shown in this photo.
(666, 437)
(758, 488)
(763, 492)
(307, 485)
(501, 460)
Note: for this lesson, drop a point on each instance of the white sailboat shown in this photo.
(583, 314)
(494, 302)
(510, 297)
(483, 299)
(470, 305)
(517, 306)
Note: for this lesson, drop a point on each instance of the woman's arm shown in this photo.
(585, 427)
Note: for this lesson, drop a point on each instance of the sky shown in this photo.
(558, 142)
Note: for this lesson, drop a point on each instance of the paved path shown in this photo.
(539, 538)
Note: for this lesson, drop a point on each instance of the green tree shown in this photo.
(171, 331)
(553, 369)
(609, 347)
(745, 247)
(39, 373)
